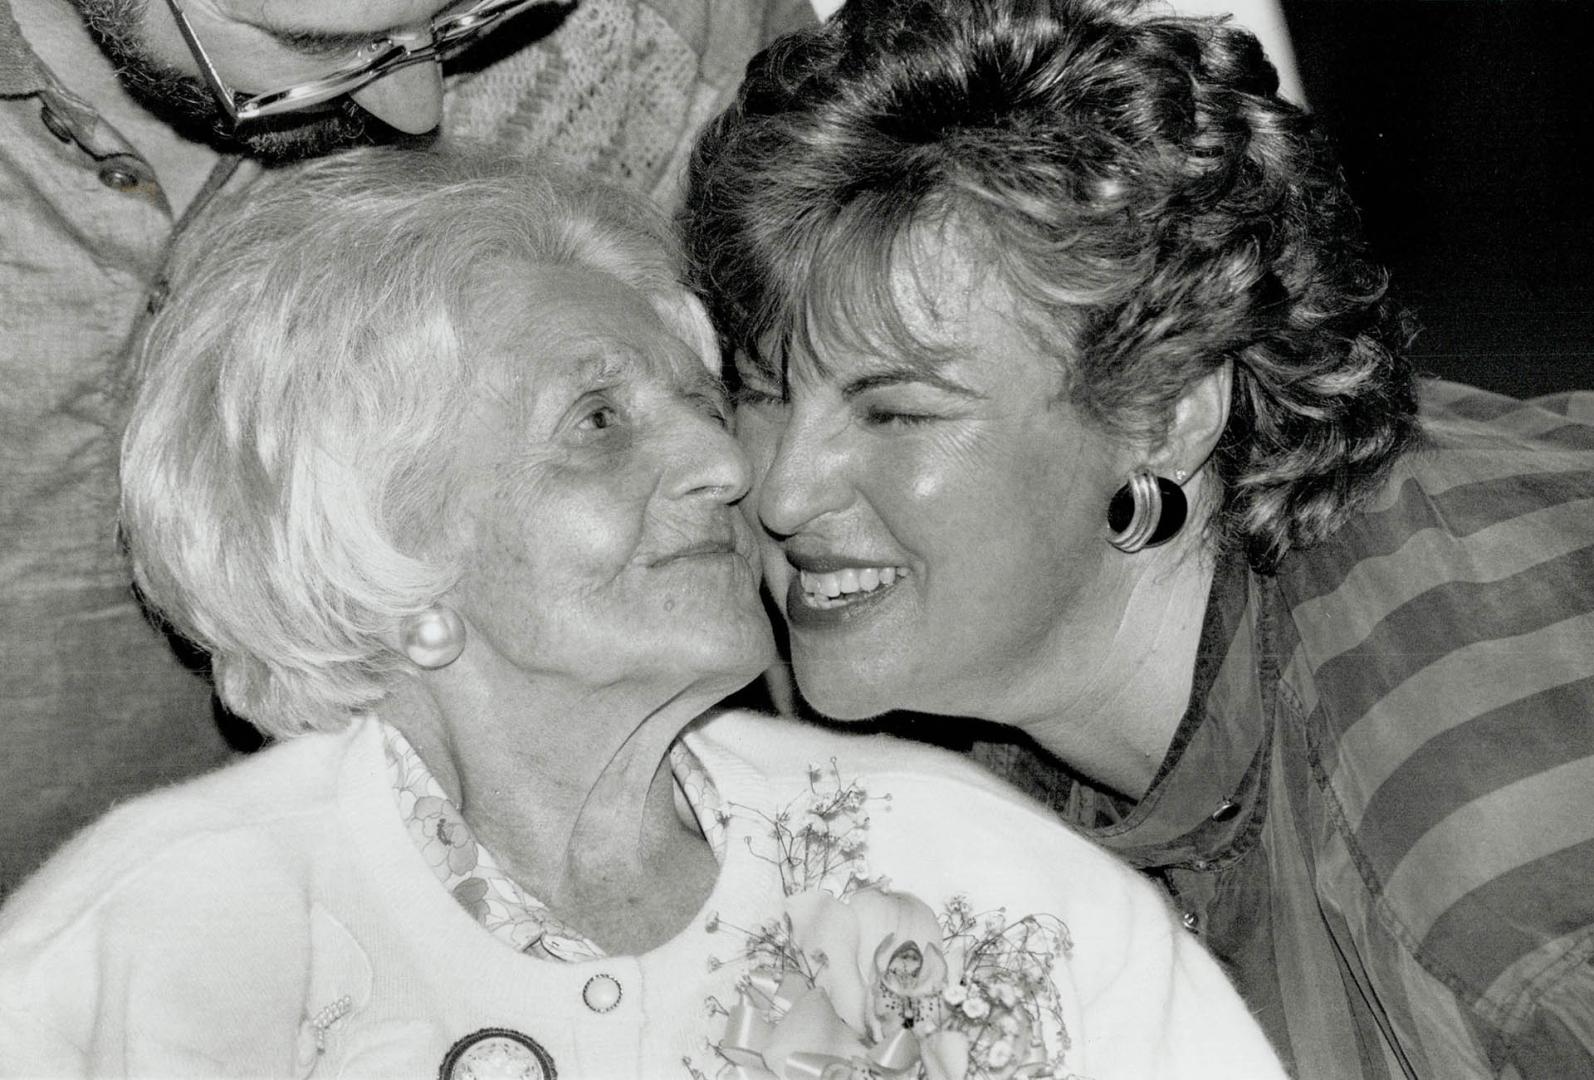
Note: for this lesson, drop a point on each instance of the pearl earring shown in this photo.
(434, 638)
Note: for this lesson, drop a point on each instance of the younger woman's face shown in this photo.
(932, 531)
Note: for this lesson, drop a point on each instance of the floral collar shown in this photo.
(467, 869)
(470, 873)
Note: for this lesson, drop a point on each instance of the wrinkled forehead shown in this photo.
(569, 320)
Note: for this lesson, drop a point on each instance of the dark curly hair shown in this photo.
(1146, 197)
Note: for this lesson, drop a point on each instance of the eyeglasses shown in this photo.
(380, 57)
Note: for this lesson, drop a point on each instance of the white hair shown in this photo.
(299, 401)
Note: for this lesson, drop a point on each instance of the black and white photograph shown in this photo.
(781, 539)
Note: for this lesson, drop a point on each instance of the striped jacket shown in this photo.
(1379, 809)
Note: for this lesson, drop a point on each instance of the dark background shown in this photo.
(1464, 128)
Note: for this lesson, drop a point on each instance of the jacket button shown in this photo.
(601, 993)
(54, 124)
(1226, 810)
(117, 178)
(1192, 922)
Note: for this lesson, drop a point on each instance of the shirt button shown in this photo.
(602, 993)
(117, 178)
(1201, 864)
(1192, 922)
(54, 124)
(1226, 810)
(157, 297)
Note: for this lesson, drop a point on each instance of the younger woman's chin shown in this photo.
(843, 700)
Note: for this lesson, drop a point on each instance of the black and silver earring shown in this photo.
(1147, 511)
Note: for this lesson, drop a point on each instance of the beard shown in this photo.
(185, 102)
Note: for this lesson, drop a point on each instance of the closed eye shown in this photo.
(713, 405)
(758, 397)
(882, 417)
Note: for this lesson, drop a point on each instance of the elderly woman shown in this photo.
(430, 453)
(1076, 405)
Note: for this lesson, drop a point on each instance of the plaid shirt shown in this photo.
(1378, 811)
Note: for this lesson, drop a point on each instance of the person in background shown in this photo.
(1078, 407)
(431, 453)
(111, 136)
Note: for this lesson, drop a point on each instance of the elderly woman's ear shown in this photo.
(433, 638)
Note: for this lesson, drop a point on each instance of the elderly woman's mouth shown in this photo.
(838, 588)
(701, 549)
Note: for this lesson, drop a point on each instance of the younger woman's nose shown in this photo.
(801, 480)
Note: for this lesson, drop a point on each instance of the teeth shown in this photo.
(844, 585)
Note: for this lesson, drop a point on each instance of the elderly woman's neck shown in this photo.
(572, 793)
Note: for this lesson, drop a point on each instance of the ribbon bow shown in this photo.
(806, 1040)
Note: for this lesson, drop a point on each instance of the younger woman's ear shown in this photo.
(1199, 417)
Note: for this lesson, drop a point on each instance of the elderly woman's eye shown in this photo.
(599, 417)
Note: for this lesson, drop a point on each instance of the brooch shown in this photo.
(497, 1054)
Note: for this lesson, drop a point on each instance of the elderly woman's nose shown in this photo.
(711, 460)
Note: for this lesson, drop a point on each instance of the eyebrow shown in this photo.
(704, 381)
(605, 363)
(600, 363)
(898, 376)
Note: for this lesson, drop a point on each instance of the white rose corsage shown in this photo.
(854, 981)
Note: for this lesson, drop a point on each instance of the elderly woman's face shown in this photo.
(932, 533)
(599, 496)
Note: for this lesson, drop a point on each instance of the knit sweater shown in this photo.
(275, 919)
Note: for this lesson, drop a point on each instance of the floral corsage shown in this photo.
(854, 981)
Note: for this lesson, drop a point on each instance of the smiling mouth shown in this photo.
(837, 589)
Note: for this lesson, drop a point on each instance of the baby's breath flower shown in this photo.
(955, 993)
(1000, 1054)
(976, 1008)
